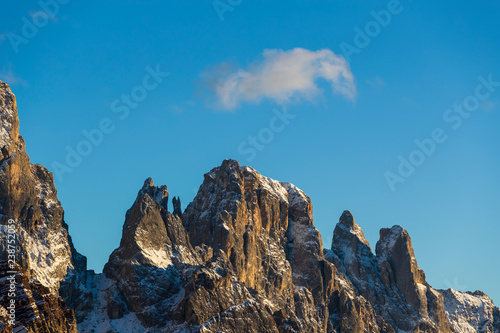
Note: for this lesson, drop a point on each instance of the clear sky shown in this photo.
(232, 67)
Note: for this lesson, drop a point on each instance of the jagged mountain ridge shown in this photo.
(243, 256)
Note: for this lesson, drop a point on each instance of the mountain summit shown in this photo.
(244, 256)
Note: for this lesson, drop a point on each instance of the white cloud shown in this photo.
(281, 76)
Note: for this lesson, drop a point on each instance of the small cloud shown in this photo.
(378, 83)
(281, 76)
(8, 76)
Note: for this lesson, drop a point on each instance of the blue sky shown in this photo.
(349, 121)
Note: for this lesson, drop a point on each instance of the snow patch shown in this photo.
(97, 321)
(156, 257)
(468, 313)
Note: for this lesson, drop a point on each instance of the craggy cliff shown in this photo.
(244, 256)
(44, 254)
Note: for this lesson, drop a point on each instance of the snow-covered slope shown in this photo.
(470, 312)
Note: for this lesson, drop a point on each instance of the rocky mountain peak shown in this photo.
(9, 120)
(145, 237)
(238, 211)
(230, 164)
(176, 203)
(388, 239)
(142, 274)
(347, 219)
(158, 194)
(471, 311)
(392, 277)
(396, 248)
(348, 237)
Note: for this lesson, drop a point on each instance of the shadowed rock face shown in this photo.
(395, 249)
(391, 281)
(145, 267)
(244, 256)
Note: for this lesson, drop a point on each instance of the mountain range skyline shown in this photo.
(386, 109)
(244, 255)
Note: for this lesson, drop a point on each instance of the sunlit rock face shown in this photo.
(28, 195)
(44, 250)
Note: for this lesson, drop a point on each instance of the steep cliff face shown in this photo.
(153, 249)
(44, 250)
(27, 195)
(244, 256)
(254, 222)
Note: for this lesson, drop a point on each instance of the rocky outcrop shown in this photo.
(28, 196)
(35, 309)
(153, 249)
(394, 250)
(244, 218)
(390, 280)
(176, 202)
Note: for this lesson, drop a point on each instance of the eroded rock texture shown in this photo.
(37, 310)
(471, 311)
(390, 280)
(28, 196)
